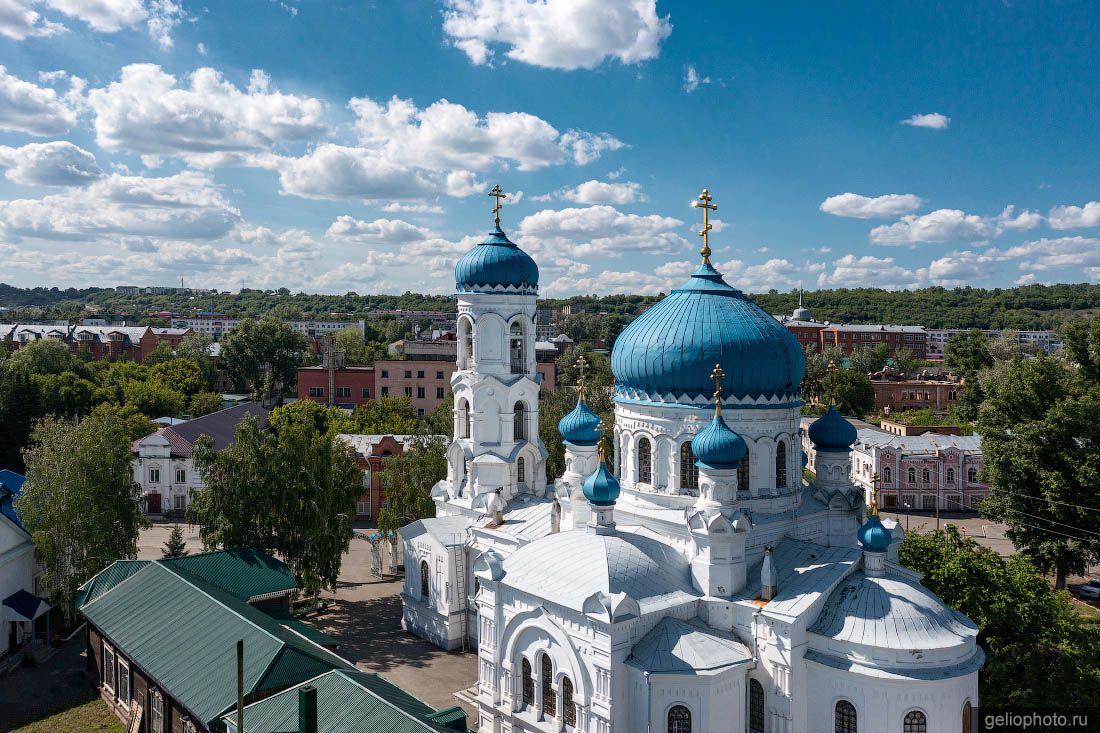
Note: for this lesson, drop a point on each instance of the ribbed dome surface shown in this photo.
(494, 264)
(579, 426)
(832, 432)
(873, 536)
(668, 353)
(716, 446)
(601, 488)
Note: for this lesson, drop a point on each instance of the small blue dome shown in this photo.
(668, 353)
(494, 264)
(579, 426)
(601, 488)
(873, 536)
(832, 432)
(716, 446)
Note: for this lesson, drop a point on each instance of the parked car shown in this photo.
(1090, 590)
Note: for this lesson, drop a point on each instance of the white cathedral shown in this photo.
(697, 584)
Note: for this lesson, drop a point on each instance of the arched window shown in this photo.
(424, 580)
(887, 475)
(689, 472)
(756, 707)
(926, 476)
(915, 722)
(679, 719)
(967, 715)
(781, 465)
(549, 702)
(972, 475)
(465, 343)
(521, 470)
(912, 475)
(519, 422)
(950, 475)
(568, 710)
(515, 349)
(743, 473)
(844, 717)
(528, 683)
(463, 419)
(645, 461)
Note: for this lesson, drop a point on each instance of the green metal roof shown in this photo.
(351, 701)
(182, 631)
(295, 624)
(107, 579)
(243, 571)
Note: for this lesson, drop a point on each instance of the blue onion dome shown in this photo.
(667, 353)
(497, 265)
(579, 427)
(873, 535)
(832, 432)
(601, 488)
(716, 446)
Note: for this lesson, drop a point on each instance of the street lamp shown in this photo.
(907, 508)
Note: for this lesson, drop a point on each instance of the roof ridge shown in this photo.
(375, 695)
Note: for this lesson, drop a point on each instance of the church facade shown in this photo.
(687, 579)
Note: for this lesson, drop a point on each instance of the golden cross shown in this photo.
(499, 194)
(874, 494)
(600, 450)
(717, 376)
(705, 204)
(581, 364)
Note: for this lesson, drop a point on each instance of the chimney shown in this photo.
(769, 582)
(307, 709)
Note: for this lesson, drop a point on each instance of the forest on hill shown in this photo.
(1024, 307)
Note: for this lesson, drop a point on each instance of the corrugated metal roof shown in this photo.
(107, 579)
(684, 647)
(183, 632)
(298, 626)
(351, 702)
(244, 571)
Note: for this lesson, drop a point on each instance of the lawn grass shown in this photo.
(84, 718)
(1089, 613)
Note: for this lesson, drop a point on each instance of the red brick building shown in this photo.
(913, 394)
(428, 383)
(350, 386)
(851, 337)
(370, 452)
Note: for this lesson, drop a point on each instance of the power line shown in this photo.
(1053, 521)
(1049, 501)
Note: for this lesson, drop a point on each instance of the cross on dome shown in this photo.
(705, 204)
(498, 194)
(717, 376)
(581, 365)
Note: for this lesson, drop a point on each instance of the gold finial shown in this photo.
(499, 194)
(705, 204)
(717, 376)
(600, 449)
(581, 365)
(874, 494)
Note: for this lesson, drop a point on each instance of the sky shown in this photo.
(348, 146)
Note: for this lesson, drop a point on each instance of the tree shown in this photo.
(905, 362)
(196, 347)
(69, 394)
(1082, 345)
(1038, 652)
(80, 502)
(322, 416)
(967, 353)
(134, 425)
(45, 356)
(817, 365)
(264, 351)
(179, 374)
(176, 546)
(290, 491)
(598, 373)
(203, 403)
(440, 421)
(20, 406)
(153, 398)
(851, 390)
(407, 481)
(869, 359)
(1041, 452)
(161, 353)
(356, 350)
(386, 415)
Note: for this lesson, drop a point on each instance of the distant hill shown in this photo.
(1024, 307)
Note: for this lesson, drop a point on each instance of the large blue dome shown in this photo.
(832, 432)
(716, 446)
(579, 427)
(496, 264)
(667, 354)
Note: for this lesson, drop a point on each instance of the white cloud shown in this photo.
(959, 269)
(692, 80)
(557, 34)
(1009, 220)
(611, 282)
(201, 49)
(412, 208)
(1075, 217)
(1075, 254)
(851, 271)
(57, 163)
(599, 230)
(599, 192)
(25, 107)
(379, 231)
(186, 205)
(877, 207)
(110, 16)
(148, 111)
(932, 121)
(19, 20)
(952, 225)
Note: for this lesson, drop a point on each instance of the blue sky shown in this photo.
(328, 146)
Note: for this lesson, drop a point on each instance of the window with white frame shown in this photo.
(110, 669)
(180, 502)
(343, 391)
(123, 692)
(181, 475)
(362, 508)
(156, 712)
(154, 475)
